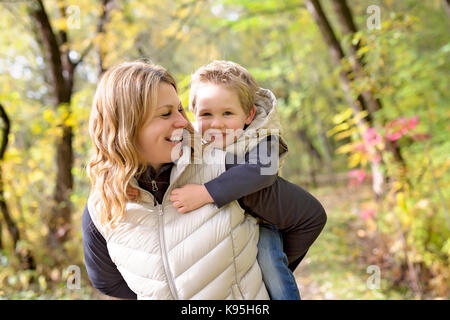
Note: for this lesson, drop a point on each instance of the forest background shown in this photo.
(362, 90)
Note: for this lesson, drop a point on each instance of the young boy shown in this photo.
(234, 114)
(231, 112)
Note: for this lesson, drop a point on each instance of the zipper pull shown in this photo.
(161, 212)
(154, 185)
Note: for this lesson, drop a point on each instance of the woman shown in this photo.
(136, 123)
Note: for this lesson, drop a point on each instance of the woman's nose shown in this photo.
(180, 121)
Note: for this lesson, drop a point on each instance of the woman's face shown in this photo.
(161, 133)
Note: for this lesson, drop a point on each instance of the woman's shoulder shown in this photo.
(136, 213)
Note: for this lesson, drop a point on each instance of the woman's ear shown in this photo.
(251, 115)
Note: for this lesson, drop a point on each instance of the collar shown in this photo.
(152, 174)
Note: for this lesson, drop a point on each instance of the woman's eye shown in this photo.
(227, 113)
(166, 114)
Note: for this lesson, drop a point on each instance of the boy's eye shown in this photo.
(205, 114)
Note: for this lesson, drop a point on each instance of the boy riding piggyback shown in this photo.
(234, 114)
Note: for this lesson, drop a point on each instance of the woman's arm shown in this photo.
(101, 269)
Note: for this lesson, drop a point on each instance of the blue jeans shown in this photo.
(277, 277)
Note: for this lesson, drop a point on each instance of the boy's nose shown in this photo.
(217, 124)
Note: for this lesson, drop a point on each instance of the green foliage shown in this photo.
(407, 63)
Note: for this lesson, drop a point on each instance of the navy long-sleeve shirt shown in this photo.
(298, 215)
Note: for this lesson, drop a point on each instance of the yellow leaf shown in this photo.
(362, 50)
(342, 116)
(48, 115)
(70, 121)
(338, 128)
(396, 186)
(36, 128)
(359, 116)
(354, 160)
(344, 134)
(60, 24)
(364, 161)
(346, 148)
(31, 163)
(401, 199)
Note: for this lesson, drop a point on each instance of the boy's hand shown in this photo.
(132, 193)
(190, 197)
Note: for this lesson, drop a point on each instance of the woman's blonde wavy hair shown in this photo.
(125, 97)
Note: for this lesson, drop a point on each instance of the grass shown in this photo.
(333, 267)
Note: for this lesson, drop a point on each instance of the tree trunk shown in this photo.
(357, 62)
(326, 146)
(337, 54)
(24, 255)
(107, 6)
(348, 26)
(59, 224)
(61, 72)
(447, 6)
(302, 134)
(315, 158)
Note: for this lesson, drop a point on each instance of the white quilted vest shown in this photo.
(208, 253)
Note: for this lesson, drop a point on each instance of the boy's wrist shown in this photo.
(206, 196)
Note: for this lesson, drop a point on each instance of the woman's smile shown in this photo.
(174, 140)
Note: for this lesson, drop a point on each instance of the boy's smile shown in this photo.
(219, 114)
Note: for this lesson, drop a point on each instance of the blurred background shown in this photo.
(363, 93)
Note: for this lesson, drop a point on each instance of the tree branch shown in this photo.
(5, 131)
(51, 45)
(447, 6)
(107, 6)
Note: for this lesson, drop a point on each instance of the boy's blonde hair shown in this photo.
(125, 97)
(229, 74)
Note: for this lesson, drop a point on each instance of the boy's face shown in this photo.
(219, 114)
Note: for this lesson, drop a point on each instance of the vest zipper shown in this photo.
(162, 241)
(154, 185)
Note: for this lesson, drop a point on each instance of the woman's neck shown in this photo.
(156, 167)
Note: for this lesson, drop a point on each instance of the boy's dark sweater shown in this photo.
(300, 218)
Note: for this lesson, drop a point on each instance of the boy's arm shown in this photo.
(297, 214)
(245, 176)
(101, 269)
